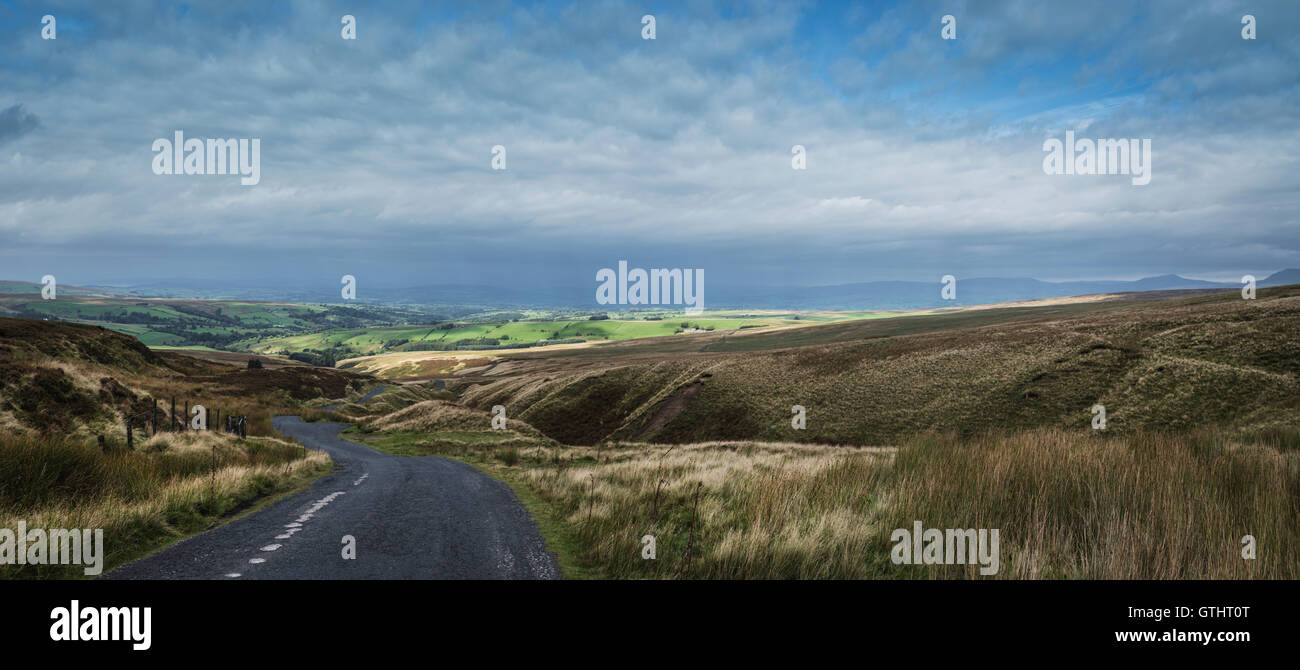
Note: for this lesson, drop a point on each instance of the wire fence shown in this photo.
(155, 420)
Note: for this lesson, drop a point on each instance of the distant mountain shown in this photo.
(973, 291)
(1281, 278)
(14, 287)
(862, 295)
(1168, 282)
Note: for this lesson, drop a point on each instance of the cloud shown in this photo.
(923, 156)
(15, 122)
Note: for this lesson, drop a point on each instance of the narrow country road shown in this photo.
(411, 517)
(364, 399)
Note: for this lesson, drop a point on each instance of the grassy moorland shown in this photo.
(1211, 361)
(1068, 504)
(984, 423)
(978, 427)
(62, 386)
(171, 486)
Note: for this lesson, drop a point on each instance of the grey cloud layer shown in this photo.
(16, 122)
(376, 152)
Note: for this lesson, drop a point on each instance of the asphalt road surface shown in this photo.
(411, 517)
(365, 398)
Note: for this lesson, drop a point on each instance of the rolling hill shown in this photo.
(974, 418)
(1155, 364)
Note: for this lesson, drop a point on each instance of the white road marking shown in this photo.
(311, 511)
(297, 525)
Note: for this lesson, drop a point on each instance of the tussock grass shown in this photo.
(327, 415)
(1143, 506)
(453, 443)
(62, 384)
(1067, 503)
(171, 486)
(435, 415)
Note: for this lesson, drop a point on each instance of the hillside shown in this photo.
(513, 336)
(66, 386)
(70, 378)
(1176, 364)
(180, 322)
(57, 377)
(984, 424)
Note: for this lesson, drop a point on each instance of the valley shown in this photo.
(687, 437)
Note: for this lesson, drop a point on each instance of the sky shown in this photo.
(924, 156)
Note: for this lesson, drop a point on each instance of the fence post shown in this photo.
(130, 442)
(153, 419)
(186, 420)
(102, 445)
(171, 426)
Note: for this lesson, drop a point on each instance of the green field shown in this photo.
(323, 334)
(219, 324)
(365, 341)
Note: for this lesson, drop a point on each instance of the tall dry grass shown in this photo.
(1068, 504)
(1078, 505)
(171, 486)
